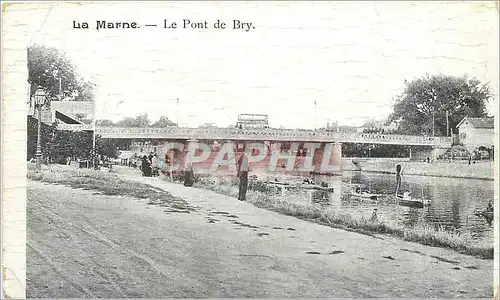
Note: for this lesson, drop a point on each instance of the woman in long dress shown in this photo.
(146, 166)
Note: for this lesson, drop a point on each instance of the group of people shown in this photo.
(149, 168)
(149, 165)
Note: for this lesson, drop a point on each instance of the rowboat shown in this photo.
(305, 186)
(365, 195)
(357, 193)
(407, 200)
(488, 215)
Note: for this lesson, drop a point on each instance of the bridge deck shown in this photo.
(259, 135)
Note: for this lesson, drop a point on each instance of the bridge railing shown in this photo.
(262, 134)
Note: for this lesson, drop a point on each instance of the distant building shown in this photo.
(67, 112)
(252, 121)
(476, 132)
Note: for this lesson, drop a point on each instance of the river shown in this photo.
(453, 200)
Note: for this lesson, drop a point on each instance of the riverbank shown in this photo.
(104, 182)
(83, 244)
(425, 235)
(111, 184)
(457, 169)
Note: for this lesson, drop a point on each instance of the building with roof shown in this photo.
(476, 132)
(252, 121)
(66, 112)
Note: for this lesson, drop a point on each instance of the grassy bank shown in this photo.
(426, 235)
(106, 183)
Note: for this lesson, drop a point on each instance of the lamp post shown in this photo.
(39, 100)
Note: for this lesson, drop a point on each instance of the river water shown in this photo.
(453, 200)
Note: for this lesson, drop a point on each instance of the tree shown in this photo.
(46, 134)
(46, 66)
(139, 121)
(74, 144)
(107, 147)
(57, 145)
(105, 122)
(80, 116)
(163, 122)
(426, 101)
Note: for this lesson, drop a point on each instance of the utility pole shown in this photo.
(433, 125)
(314, 115)
(177, 112)
(447, 124)
(60, 89)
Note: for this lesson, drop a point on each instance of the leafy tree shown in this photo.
(80, 116)
(105, 122)
(46, 66)
(376, 150)
(46, 134)
(139, 121)
(107, 147)
(435, 95)
(163, 122)
(57, 145)
(74, 144)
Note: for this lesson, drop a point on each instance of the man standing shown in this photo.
(154, 165)
(243, 176)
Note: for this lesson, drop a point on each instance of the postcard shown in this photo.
(250, 149)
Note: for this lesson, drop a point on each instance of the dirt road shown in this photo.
(81, 244)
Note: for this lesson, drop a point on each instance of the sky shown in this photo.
(304, 63)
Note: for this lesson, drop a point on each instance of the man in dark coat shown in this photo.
(189, 174)
(146, 166)
(243, 176)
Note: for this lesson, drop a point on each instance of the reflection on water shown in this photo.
(453, 200)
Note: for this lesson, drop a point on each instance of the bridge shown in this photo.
(268, 134)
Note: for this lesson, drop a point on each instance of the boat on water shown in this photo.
(486, 213)
(358, 193)
(302, 185)
(365, 195)
(407, 200)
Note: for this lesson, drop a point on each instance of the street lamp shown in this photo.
(39, 101)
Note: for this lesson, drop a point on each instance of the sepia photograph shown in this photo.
(330, 149)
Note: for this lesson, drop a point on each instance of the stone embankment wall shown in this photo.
(459, 169)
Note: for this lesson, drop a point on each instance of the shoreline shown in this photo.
(423, 175)
(424, 235)
(479, 171)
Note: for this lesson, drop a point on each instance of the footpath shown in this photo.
(374, 266)
(83, 244)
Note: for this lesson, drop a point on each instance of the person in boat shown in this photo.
(243, 176)
(489, 207)
(374, 217)
(308, 181)
(358, 189)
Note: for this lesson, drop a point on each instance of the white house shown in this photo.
(476, 132)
